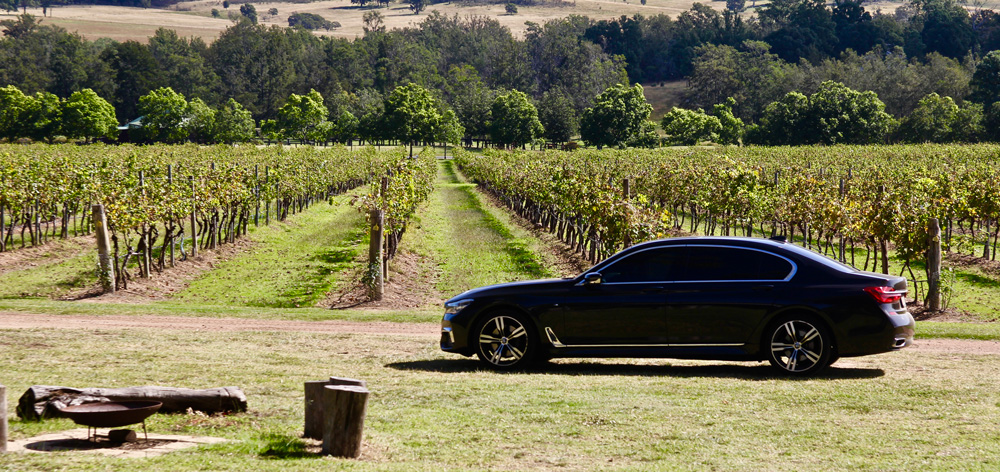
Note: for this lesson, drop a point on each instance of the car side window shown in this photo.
(729, 263)
(653, 265)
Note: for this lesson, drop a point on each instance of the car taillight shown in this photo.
(884, 294)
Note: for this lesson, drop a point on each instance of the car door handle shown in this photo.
(763, 288)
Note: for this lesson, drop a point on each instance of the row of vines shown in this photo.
(833, 199)
(161, 198)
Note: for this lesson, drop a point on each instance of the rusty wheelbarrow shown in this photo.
(111, 414)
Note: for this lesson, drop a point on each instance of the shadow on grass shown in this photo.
(313, 285)
(280, 446)
(748, 371)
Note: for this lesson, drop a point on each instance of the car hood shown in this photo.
(527, 286)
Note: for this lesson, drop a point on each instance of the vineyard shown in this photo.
(165, 200)
(842, 201)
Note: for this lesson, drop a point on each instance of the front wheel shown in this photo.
(505, 341)
(799, 345)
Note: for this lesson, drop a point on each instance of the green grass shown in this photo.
(982, 331)
(293, 264)
(54, 274)
(55, 307)
(471, 243)
(431, 411)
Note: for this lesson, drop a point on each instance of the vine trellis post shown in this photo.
(933, 265)
(107, 269)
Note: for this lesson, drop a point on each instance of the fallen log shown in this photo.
(46, 401)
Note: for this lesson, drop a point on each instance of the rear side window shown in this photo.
(654, 265)
(729, 263)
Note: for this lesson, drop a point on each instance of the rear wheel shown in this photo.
(799, 345)
(506, 340)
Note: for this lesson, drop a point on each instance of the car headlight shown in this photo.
(452, 308)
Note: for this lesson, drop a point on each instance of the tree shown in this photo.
(450, 131)
(617, 115)
(199, 121)
(514, 120)
(938, 119)
(836, 114)
(946, 28)
(86, 115)
(233, 124)
(471, 100)
(43, 117)
(249, 11)
(417, 6)
(985, 83)
(163, 113)
(309, 21)
(303, 117)
(344, 128)
(558, 117)
(690, 127)
(255, 66)
(135, 73)
(751, 75)
(784, 122)
(732, 129)
(510, 8)
(14, 105)
(842, 115)
(736, 5)
(372, 21)
(412, 115)
(646, 137)
(181, 65)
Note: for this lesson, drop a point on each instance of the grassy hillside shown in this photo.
(194, 18)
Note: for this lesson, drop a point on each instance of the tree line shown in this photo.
(562, 67)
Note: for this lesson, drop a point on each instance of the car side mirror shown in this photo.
(593, 278)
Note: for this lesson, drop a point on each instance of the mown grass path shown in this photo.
(470, 242)
(295, 263)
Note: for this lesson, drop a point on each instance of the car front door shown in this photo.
(624, 307)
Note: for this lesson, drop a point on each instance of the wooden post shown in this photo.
(626, 191)
(267, 206)
(375, 255)
(314, 403)
(107, 269)
(934, 265)
(344, 409)
(3, 419)
(376, 251)
(194, 226)
(256, 195)
(170, 182)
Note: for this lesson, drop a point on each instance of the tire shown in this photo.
(506, 341)
(799, 345)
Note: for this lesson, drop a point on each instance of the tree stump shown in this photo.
(314, 403)
(343, 428)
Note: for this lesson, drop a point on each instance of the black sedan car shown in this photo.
(692, 298)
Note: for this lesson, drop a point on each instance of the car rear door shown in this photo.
(723, 294)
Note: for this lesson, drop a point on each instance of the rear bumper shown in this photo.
(904, 327)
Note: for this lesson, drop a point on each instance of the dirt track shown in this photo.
(183, 323)
(429, 330)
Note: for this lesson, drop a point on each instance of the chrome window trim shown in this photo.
(795, 267)
(557, 344)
